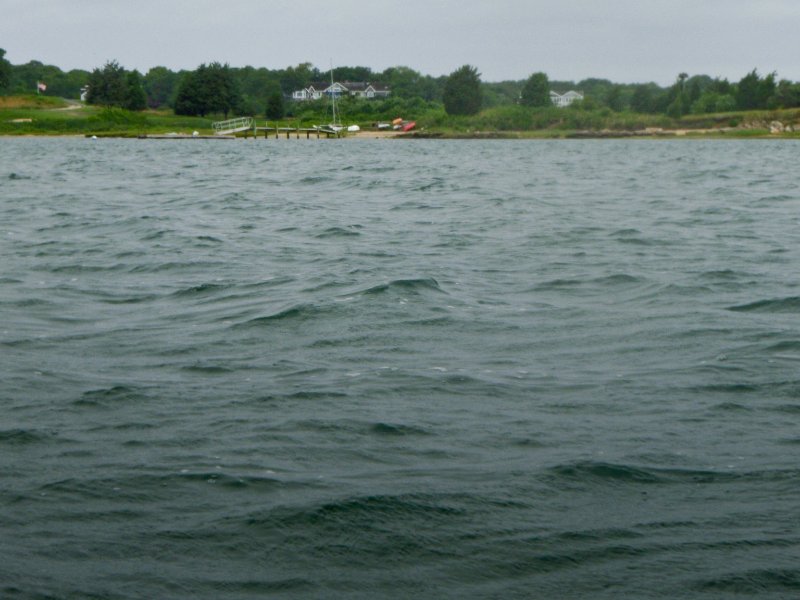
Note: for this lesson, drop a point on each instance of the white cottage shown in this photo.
(315, 91)
(563, 100)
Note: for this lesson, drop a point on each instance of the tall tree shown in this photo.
(135, 97)
(5, 71)
(787, 94)
(191, 98)
(753, 92)
(747, 91)
(160, 84)
(614, 99)
(108, 86)
(209, 89)
(275, 106)
(536, 91)
(462, 92)
(224, 94)
(677, 99)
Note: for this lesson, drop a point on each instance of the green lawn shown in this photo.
(29, 116)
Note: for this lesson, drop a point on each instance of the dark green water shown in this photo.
(389, 369)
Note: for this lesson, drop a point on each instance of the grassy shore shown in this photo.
(34, 115)
(40, 115)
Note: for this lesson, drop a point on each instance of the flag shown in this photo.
(40, 87)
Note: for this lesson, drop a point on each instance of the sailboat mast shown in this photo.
(333, 96)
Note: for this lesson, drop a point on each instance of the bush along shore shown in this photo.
(39, 115)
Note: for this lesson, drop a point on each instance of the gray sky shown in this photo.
(621, 40)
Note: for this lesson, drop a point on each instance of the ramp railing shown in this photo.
(232, 125)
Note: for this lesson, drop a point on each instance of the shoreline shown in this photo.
(719, 133)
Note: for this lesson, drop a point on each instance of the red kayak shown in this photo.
(409, 126)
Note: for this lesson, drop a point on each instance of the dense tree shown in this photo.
(275, 106)
(256, 86)
(614, 98)
(70, 84)
(747, 91)
(67, 85)
(462, 92)
(713, 102)
(135, 97)
(643, 99)
(679, 106)
(693, 91)
(405, 82)
(112, 85)
(677, 98)
(108, 86)
(160, 85)
(353, 74)
(593, 87)
(5, 71)
(209, 89)
(190, 97)
(720, 86)
(536, 91)
(787, 94)
(501, 93)
(225, 95)
(296, 78)
(753, 92)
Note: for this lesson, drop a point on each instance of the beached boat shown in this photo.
(335, 126)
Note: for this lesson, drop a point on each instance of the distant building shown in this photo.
(562, 100)
(361, 89)
(357, 89)
(308, 93)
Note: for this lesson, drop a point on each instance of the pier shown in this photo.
(244, 126)
(277, 132)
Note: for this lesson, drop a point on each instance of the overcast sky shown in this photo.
(621, 40)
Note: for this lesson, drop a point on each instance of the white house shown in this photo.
(359, 89)
(562, 100)
(313, 92)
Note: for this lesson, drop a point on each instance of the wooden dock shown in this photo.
(290, 132)
(244, 126)
(256, 132)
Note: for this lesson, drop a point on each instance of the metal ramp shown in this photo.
(233, 125)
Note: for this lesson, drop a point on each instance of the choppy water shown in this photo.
(336, 369)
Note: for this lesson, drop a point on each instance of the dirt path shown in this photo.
(71, 105)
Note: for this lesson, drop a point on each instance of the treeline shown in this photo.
(245, 90)
(215, 88)
(698, 94)
(22, 79)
